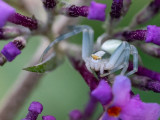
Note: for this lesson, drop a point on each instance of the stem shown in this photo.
(21, 90)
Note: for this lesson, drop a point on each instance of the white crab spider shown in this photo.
(117, 58)
(116, 52)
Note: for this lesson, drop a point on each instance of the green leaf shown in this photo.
(51, 63)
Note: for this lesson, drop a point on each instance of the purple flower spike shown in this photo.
(153, 34)
(48, 117)
(97, 11)
(75, 115)
(10, 51)
(5, 11)
(103, 92)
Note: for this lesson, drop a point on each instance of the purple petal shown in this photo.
(107, 117)
(153, 34)
(5, 11)
(138, 110)
(103, 93)
(97, 11)
(36, 107)
(10, 51)
(48, 117)
(121, 90)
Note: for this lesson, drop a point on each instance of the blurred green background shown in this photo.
(64, 89)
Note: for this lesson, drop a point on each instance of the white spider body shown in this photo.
(115, 56)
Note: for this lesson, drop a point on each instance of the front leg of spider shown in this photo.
(87, 41)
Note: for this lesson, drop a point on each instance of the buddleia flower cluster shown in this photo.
(113, 92)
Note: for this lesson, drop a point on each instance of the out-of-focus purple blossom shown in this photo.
(116, 9)
(97, 11)
(151, 49)
(5, 11)
(142, 71)
(90, 108)
(135, 35)
(122, 105)
(49, 4)
(24, 21)
(10, 51)
(145, 83)
(75, 11)
(48, 117)
(153, 34)
(34, 109)
(75, 115)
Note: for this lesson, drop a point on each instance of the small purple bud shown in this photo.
(75, 115)
(35, 107)
(5, 11)
(153, 34)
(48, 117)
(10, 51)
(97, 11)
(49, 4)
(75, 11)
(116, 9)
(24, 21)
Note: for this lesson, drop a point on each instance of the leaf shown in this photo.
(51, 63)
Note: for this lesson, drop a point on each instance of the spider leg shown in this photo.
(115, 56)
(134, 52)
(87, 43)
(126, 61)
(124, 58)
(120, 55)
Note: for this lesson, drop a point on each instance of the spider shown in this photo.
(112, 56)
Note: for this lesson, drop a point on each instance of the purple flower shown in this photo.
(48, 117)
(97, 11)
(34, 109)
(5, 11)
(75, 115)
(153, 34)
(119, 104)
(10, 51)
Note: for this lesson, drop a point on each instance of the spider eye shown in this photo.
(95, 57)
